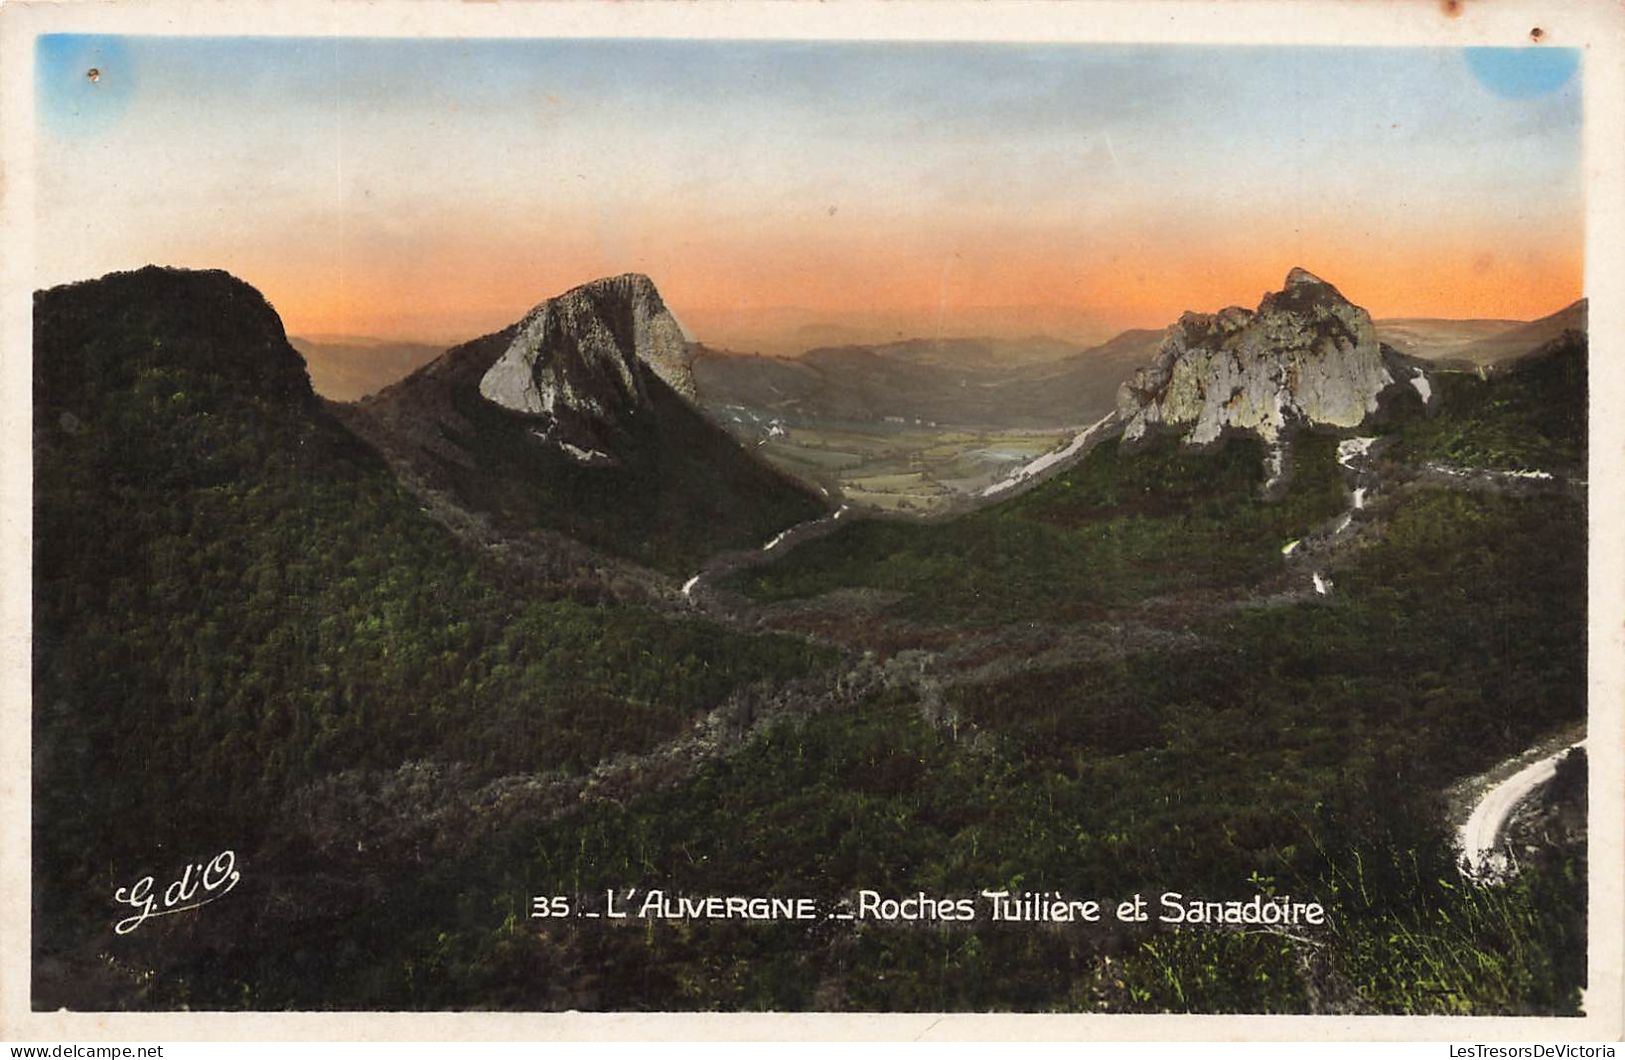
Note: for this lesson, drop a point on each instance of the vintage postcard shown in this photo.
(1002, 516)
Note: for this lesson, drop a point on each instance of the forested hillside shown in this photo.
(234, 598)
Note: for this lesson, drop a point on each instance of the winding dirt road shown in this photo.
(727, 563)
(1480, 837)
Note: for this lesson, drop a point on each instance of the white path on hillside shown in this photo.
(584, 456)
(1480, 837)
(1351, 456)
(1489, 473)
(1423, 387)
(1274, 465)
(1350, 450)
(1050, 459)
(730, 562)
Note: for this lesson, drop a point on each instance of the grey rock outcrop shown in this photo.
(587, 353)
(1306, 355)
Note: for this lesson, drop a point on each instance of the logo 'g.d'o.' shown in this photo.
(198, 885)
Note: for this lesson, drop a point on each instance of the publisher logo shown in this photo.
(197, 886)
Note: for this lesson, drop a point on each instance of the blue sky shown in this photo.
(427, 186)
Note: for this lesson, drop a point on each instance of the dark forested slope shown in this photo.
(233, 598)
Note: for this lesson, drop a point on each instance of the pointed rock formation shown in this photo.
(580, 419)
(589, 352)
(1306, 355)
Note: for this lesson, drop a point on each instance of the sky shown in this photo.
(784, 192)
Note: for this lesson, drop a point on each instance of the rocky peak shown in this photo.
(591, 351)
(1305, 355)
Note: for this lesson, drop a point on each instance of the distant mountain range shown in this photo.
(344, 368)
(1477, 343)
(786, 331)
(1038, 381)
(982, 382)
(945, 382)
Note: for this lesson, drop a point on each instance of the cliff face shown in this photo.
(588, 350)
(580, 420)
(1306, 355)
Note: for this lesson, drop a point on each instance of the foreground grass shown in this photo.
(1427, 943)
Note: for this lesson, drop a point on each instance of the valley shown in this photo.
(907, 469)
(416, 660)
(606, 520)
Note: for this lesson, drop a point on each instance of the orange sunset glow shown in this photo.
(436, 190)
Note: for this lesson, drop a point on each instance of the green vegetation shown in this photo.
(233, 598)
(1112, 530)
(682, 491)
(235, 602)
(676, 488)
(1529, 416)
(1421, 942)
(1296, 750)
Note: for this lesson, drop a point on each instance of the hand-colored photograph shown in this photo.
(654, 524)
